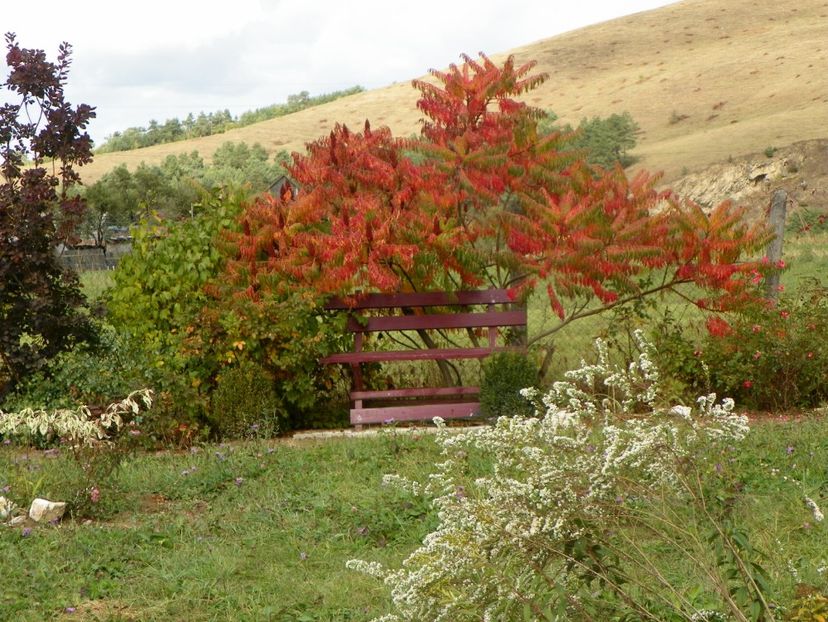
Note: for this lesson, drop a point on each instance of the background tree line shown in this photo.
(192, 126)
(176, 187)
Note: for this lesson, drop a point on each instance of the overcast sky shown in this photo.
(154, 59)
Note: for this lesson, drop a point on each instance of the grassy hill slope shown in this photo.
(705, 79)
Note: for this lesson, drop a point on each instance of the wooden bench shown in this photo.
(429, 314)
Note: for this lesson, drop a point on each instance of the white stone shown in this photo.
(18, 520)
(45, 511)
(7, 508)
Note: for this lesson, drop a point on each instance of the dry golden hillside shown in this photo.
(705, 80)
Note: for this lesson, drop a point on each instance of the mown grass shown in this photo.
(184, 538)
(95, 282)
(806, 257)
(187, 539)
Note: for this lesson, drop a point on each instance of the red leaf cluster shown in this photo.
(481, 198)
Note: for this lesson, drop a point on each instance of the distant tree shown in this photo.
(608, 140)
(189, 124)
(172, 131)
(185, 182)
(605, 141)
(238, 155)
(111, 201)
(40, 302)
(177, 186)
(183, 166)
(168, 190)
(299, 100)
(203, 126)
(131, 138)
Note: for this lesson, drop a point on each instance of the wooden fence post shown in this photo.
(776, 221)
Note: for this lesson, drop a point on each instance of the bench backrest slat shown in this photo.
(423, 299)
(438, 321)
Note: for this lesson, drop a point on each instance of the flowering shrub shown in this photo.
(572, 519)
(76, 426)
(768, 357)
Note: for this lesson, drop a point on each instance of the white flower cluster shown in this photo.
(604, 387)
(402, 483)
(553, 478)
(78, 425)
(708, 615)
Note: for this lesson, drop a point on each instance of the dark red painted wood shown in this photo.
(435, 354)
(410, 404)
(423, 299)
(433, 321)
(416, 392)
(465, 410)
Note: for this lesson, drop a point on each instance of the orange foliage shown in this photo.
(481, 199)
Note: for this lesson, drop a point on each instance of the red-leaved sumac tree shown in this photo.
(481, 199)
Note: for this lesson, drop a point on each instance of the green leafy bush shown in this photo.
(809, 606)
(245, 404)
(156, 303)
(158, 288)
(285, 334)
(504, 375)
(94, 375)
(99, 375)
(189, 331)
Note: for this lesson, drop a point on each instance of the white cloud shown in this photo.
(160, 59)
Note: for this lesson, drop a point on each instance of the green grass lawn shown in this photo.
(187, 539)
(806, 257)
(95, 282)
(262, 531)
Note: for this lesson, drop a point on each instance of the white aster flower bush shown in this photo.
(530, 537)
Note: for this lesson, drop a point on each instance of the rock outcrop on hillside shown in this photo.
(801, 169)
